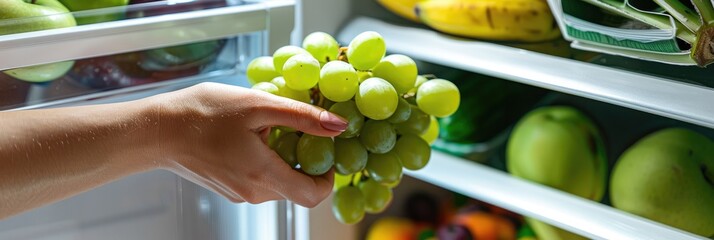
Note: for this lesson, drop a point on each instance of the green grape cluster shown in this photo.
(390, 109)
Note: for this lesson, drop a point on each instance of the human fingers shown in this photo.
(280, 111)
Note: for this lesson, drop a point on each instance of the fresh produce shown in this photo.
(261, 70)
(392, 228)
(484, 225)
(387, 130)
(693, 26)
(44, 14)
(559, 147)
(489, 106)
(668, 176)
(181, 57)
(403, 8)
(82, 5)
(503, 20)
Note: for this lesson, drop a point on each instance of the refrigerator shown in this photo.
(627, 98)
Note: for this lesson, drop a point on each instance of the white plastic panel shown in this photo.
(651, 94)
(575, 214)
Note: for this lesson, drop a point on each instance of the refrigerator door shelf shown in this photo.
(62, 44)
(157, 53)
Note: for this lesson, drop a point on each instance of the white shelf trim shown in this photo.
(32, 48)
(646, 93)
(575, 214)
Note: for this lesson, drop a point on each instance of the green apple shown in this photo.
(668, 176)
(35, 15)
(41, 73)
(81, 5)
(560, 147)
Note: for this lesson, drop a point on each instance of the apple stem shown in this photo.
(33, 1)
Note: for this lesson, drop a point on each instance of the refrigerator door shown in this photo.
(156, 47)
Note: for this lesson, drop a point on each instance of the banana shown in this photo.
(503, 20)
(403, 8)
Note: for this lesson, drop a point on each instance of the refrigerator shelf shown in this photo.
(47, 46)
(643, 92)
(572, 213)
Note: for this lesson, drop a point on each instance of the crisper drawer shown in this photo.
(130, 52)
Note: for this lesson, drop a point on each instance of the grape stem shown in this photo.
(342, 55)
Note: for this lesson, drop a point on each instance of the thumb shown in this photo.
(281, 111)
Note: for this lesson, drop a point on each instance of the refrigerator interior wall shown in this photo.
(629, 98)
(141, 61)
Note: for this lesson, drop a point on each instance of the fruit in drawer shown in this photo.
(503, 20)
(392, 228)
(122, 70)
(84, 18)
(668, 176)
(41, 73)
(560, 147)
(30, 16)
(181, 57)
(483, 225)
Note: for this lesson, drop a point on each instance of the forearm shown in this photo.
(52, 154)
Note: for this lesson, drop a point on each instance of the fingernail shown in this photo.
(332, 122)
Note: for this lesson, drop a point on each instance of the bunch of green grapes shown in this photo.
(391, 112)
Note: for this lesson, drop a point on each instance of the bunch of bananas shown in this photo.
(501, 20)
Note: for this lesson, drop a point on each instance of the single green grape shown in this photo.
(401, 114)
(348, 205)
(284, 53)
(438, 97)
(417, 123)
(413, 151)
(399, 70)
(315, 154)
(285, 91)
(322, 46)
(275, 133)
(365, 50)
(286, 147)
(267, 87)
(261, 69)
(378, 136)
(385, 168)
(301, 72)
(376, 98)
(355, 120)
(338, 81)
(350, 155)
(432, 132)
(377, 196)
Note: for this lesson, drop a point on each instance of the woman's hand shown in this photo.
(211, 134)
(216, 137)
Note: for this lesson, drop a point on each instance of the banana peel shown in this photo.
(500, 20)
(403, 8)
